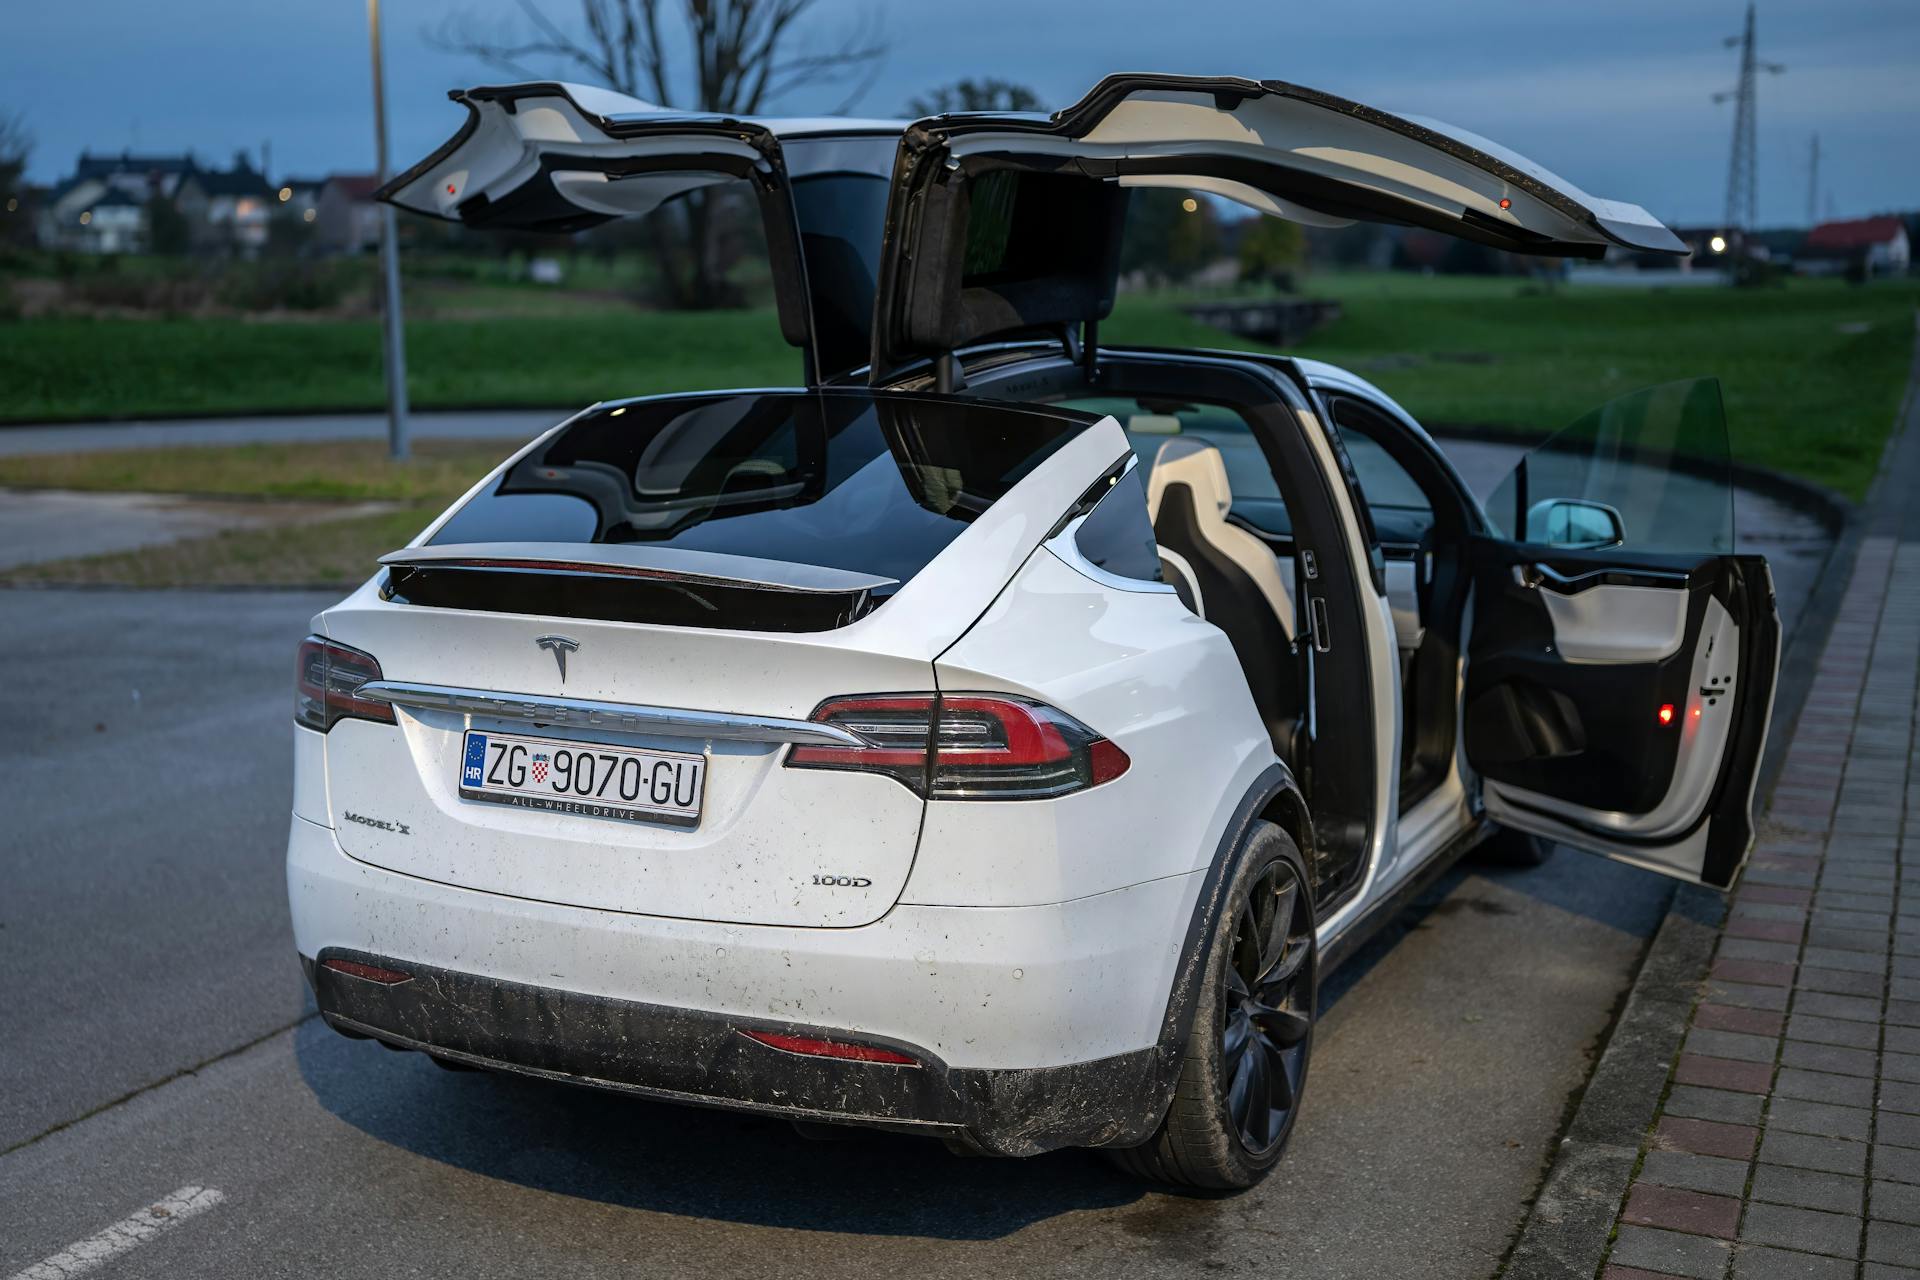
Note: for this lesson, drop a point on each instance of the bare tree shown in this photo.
(744, 55)
(16, 144)
(989, 94)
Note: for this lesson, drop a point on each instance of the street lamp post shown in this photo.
(392, 321)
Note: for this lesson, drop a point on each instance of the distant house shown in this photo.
(102, 206)
(229, 209)
(67, 217)
(346, 218)
(114, 223)
(1861, 246)
(300, 199)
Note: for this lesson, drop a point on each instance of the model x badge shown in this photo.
(559, 647)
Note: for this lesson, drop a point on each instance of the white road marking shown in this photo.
(132, 1231)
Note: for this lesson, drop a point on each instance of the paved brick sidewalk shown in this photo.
(1789, 1141)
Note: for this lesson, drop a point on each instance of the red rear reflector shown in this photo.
(1666, 713)
(371, 972)
(816, 1048)
(1505, 203)
(1107, 759)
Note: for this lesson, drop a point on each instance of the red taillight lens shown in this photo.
(817, 1048)
(327, 679)
(966, 746)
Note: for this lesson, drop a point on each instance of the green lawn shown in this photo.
(79, 369)
(1813, 371)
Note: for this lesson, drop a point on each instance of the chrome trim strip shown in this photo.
(1537, 575)
(621, 717)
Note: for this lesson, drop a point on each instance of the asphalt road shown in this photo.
(157, 1037)
(155, 1034)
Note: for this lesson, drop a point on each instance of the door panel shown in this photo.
(1616, 623)
(1617, 697)
(1631, 744)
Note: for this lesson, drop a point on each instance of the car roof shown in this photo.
(1322, 376)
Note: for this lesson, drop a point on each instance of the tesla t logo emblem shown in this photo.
(559, 647)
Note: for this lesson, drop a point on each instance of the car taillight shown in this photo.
(966, 746)
(326, 682)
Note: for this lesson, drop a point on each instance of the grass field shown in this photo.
(339, 552)
(81, 369)
(1813, 372)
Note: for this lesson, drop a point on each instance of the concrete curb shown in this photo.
(1569, 1227)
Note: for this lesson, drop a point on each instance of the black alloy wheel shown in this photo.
(1244, 1064)
(1267, 1018)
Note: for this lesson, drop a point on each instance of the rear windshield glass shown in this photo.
(872, 484)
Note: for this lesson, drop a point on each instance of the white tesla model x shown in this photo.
(999, 737)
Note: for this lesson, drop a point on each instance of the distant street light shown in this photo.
(1718, 244)
(394, 324)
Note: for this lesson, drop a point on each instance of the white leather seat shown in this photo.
(1199, 467)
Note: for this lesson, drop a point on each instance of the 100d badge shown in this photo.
(595, 779)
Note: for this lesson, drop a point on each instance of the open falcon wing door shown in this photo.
(994, 226)
(558, 157)
(1621, 663)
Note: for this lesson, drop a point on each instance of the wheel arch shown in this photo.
(1273, 797)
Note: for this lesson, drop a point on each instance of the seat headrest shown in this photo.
(1199, 466)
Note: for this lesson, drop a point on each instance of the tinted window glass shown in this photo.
(1658, 457)
(840, 218)
(1116, 535)
(876, 485)
(1399, 507)
(1150, 423)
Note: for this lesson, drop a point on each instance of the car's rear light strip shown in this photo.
(965, 746)
(327, 681)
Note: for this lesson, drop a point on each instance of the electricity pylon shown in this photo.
(1813, 183)
(1742, 191)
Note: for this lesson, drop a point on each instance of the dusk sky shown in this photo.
(1616, 96)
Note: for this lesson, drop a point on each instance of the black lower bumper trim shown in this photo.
(690, 1056)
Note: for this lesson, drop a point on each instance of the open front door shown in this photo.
(1621, 660)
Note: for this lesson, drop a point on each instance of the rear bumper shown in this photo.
(1035, 1027)
(682, 1055)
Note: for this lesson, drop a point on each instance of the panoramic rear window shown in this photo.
(875, 485)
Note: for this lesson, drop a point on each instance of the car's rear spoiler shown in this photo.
(632, 583)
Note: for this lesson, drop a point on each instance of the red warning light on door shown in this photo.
(1666, 713)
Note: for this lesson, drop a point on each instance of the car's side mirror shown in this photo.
(1575, 524)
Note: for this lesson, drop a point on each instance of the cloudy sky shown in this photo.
(1616, 96)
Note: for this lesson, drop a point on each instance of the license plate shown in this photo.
(583, 777)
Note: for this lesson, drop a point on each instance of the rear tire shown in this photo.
(1245, 1064)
